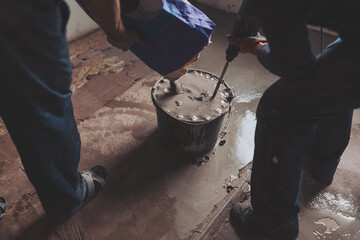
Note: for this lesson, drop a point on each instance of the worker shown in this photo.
(304, 119)
(35, 98)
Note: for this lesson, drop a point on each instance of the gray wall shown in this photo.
(79, 23)
(226, 5)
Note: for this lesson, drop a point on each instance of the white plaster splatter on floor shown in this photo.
(330, 224)
(111, 130)
(247, 97)
(244, 142)
(336, 202)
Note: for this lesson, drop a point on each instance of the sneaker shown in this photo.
(3, 207)
(96, 179)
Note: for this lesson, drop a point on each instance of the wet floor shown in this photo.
(332, 213)
(155, 193)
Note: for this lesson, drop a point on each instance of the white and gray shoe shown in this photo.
(3, 207)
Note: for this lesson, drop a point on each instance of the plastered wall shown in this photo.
(79, 23)
(226, 5)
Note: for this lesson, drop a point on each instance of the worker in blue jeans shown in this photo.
(304, 119)
(35, 98)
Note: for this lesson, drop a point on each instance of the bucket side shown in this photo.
(190, 138)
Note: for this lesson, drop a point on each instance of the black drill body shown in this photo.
(245, 25)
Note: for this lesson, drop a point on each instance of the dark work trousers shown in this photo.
(35, 101)
(302, 119)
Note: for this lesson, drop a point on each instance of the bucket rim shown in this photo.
(189, 122)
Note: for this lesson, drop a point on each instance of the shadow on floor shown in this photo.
(40, 229)
(146, 164)
(131, 179)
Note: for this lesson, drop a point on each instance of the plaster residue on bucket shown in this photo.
(192, 102)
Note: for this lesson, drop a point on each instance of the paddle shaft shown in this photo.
(221, 80)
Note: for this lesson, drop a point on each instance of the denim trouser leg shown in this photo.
(35, 101)
(331, 139)
(295, 118)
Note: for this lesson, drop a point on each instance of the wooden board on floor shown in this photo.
(217, 224)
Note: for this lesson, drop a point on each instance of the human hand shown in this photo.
(257, 47)
(124, 40)
(180, 72)
(249, 44)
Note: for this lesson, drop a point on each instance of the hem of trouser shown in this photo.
(75, 208)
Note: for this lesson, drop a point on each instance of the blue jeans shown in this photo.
(35, 101)
(304, 119)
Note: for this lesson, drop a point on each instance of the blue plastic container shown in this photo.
(173, 38)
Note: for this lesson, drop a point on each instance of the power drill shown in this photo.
(245, 25)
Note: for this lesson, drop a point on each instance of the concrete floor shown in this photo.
(153, 192)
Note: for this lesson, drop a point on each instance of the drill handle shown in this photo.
(232, 52)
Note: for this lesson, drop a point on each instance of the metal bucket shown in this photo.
(194, 138)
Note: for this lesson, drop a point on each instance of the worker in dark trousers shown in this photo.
(35, 99)
(304, 119)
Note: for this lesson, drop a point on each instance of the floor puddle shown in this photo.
(330, 224)
(325, 224)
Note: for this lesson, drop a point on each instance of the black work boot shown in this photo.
(249, 226)
(242, 220)
(241, 214)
